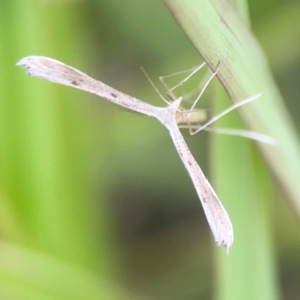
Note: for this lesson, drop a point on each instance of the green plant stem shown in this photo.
(238, 172)
(219, 34)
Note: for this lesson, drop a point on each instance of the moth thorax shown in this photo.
(195, 116)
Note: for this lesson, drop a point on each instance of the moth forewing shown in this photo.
(55, 71)
(215, 212)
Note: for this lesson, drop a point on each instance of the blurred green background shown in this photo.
(94, 201)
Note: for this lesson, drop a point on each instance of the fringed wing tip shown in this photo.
(226, 242)
(22, 62)
(26, 64)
